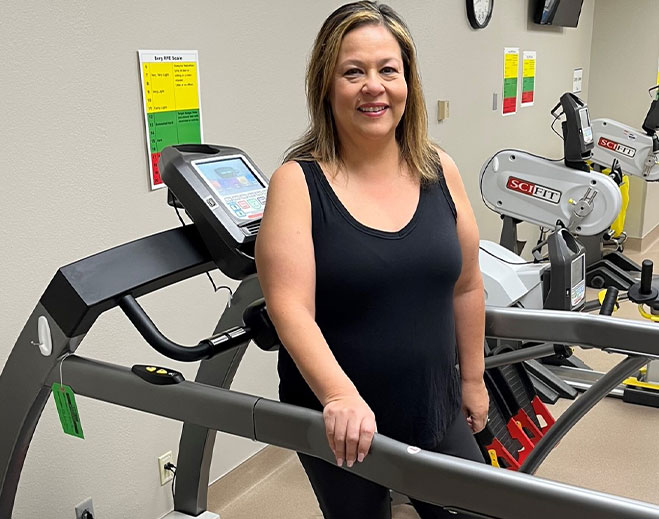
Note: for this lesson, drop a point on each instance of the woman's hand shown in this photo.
(350, 426)
(475, 404)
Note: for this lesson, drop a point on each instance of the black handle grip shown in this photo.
(609, 302)
(646, 277)
(157, 340)
(256, 318)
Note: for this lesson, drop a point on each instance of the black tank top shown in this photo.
(384, 303)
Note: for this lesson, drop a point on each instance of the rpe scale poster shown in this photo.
(171, 98)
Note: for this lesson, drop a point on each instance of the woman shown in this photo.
(368, 259)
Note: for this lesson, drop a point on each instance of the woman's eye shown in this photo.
(389, 70)
(352, 72)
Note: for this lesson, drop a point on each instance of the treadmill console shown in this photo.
(224, 194)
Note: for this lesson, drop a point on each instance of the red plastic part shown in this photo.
(518, 433)
(534, 434)
(503, 453)
(541, 410)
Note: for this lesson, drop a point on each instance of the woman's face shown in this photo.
(368, 91)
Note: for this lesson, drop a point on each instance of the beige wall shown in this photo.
(623, 67)
(74, 179)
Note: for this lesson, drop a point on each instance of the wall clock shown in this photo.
(479, 12)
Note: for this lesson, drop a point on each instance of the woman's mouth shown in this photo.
(372, 110)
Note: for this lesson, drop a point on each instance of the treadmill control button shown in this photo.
(157, 375)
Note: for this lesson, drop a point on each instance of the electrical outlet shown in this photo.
(84, 509)
(165, 475)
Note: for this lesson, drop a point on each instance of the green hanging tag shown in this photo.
(67, 410)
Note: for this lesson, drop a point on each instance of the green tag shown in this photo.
(67, 409)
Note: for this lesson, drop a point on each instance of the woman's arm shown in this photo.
(468, 304)
(287, 273)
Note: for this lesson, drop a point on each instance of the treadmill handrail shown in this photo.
(436, 478)
(454, 483)
(603, 332)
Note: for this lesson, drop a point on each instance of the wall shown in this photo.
(74, 179)
(623, 66)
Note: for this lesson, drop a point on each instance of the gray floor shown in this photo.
(614, 449)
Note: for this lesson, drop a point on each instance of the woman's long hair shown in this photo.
(320, 141)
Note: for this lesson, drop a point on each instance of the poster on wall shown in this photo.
(510, 74)
(170, 94)
(528, 77)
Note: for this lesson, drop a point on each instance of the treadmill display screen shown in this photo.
(235, 185)
(228, 177)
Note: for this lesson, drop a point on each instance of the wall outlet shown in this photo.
(85, 510)
(165, 475)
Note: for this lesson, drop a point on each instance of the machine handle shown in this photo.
(205, 349)
(256, 318)
(643, 292)
(646, 277)
(609, 302)
(257, 327)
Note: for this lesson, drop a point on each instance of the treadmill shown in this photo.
(225, 225)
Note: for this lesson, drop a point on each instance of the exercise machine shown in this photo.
(552, 194)
(517, 191)
(524, 187)
(567, 199)
(562, 196)
(621, 150)
(221, 236)
(637, 151)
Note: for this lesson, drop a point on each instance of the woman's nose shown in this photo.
(373, 85)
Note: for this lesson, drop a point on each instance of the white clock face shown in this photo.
(482, 10)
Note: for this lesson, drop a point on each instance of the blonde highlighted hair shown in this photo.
(320, 141)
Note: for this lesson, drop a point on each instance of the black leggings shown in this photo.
(343, 495)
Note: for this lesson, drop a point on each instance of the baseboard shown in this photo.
(640, 244)
(247, 475)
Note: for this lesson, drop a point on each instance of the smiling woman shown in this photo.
(368, 259)
(369, 91)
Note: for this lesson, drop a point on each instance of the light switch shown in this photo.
(442, 110)
(577, 80)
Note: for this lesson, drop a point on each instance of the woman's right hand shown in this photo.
(350, 426)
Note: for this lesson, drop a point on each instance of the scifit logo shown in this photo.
(616, 146)
(535, 190)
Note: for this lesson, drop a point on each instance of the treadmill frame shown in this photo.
(82, 291)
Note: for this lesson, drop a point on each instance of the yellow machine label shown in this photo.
(494, 460)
